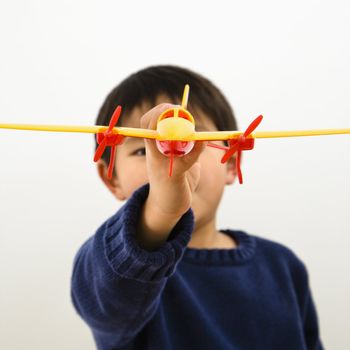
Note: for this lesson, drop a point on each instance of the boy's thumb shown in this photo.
(192, 157)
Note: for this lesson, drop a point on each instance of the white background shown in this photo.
(286, 60)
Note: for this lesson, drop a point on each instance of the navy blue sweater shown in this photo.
(255, 296)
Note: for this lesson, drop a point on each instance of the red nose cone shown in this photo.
(176, 148)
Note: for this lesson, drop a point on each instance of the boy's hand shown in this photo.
(169, 197)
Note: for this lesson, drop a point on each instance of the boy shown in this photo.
(158, 274)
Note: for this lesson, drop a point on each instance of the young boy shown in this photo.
(158, 274)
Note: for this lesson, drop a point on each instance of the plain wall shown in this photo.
(286, 60)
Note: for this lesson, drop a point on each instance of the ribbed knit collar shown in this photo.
(246, 244)
(244, 251)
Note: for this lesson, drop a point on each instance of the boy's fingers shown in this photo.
(193, 156)
(186, 162)
(149, 119)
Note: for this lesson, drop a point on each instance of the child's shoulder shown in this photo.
(279, 254)
(272, 246)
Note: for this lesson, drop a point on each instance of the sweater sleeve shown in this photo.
(116, 285)
(307, 307)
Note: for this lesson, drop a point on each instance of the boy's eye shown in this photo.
(139, 152)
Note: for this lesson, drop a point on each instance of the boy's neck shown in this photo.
(206, 236)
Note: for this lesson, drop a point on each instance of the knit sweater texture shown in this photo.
(255, 296)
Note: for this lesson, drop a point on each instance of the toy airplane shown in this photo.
(175, 135)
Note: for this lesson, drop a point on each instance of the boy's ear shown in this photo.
(112, 184)
(231, 171)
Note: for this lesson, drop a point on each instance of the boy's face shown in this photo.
(131, 170)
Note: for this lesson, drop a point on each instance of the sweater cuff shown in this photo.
(128, 259)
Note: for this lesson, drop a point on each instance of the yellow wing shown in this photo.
(153, 134)
(132, 132)
(227, 135)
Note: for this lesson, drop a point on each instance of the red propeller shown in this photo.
(241, 143)
(109, 138)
